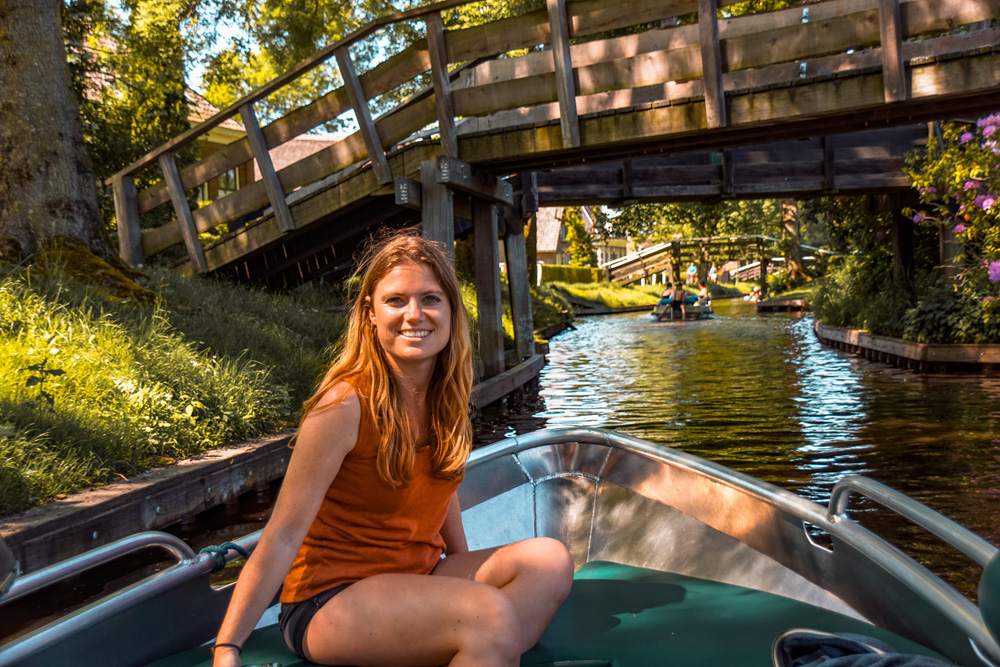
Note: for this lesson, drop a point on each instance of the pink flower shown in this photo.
(989, 130)
(988, 203)
(995, 271)
(919, 217)
(989, 299)
(970, 185)
(965, 138)
(979, 201)
(961, 208)
(959, 228)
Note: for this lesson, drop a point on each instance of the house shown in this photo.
(553, 248)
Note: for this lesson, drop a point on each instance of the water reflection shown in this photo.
(759, 394)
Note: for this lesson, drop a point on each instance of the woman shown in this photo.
(368, 504)
(703, 295)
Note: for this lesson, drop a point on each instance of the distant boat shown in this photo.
(663, 309)
(680, 561)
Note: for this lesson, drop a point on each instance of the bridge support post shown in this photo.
(484, 230)
(437, 208)
(517, 282)
(127, 217)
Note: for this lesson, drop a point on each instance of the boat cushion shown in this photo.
(623, 616)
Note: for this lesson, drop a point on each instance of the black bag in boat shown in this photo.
(812, 648)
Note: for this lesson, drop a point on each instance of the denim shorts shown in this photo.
(294, 617)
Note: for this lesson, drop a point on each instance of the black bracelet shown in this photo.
(239, 649)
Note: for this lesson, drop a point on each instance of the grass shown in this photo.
(95, 386)
(609, 294)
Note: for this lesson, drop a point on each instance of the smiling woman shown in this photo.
(367, 536)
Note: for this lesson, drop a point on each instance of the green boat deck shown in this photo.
(623, 616)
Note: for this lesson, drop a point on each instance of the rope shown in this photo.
(219, 552)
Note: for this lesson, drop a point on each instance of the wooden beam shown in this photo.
(893, 65)
(727, 172)
(517, 281)
(484, 223)
(195, 252)
(127, 219)
(408, 193)
(442, 85)
(364, 115)
(477, 182)
(438, 209)
(529, 193)
(267, 174)
(565, 87)
(487, 391)
(711, 63)
(828, 164)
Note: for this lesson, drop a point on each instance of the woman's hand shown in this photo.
(226, 656)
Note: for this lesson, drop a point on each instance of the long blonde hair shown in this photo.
(362, 357)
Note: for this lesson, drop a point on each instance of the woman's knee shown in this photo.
(549, 557)
(495, 625)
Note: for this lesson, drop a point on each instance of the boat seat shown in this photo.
(623, 616)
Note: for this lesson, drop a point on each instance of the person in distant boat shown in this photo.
(756, 294)
(703, 295)
(367, 534)
(677, 297)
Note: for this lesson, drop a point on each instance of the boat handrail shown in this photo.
(954, 534)
(56, 572)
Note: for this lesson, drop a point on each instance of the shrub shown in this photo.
(571, 274)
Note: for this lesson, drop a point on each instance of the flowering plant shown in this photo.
(958, 179)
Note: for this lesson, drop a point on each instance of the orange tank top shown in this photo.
(366, 527)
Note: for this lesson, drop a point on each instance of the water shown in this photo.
(760, 394)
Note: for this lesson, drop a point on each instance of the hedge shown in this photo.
(552, 273)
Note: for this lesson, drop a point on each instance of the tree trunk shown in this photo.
(791, 235)
(47, 187)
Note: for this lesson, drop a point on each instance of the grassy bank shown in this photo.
(98, 384)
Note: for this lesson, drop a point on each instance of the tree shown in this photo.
(581, 244)
(46, 179)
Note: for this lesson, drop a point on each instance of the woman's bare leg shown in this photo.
(414, 620)
(536, 575)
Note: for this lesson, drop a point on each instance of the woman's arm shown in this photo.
(453, 531)
(324, 439)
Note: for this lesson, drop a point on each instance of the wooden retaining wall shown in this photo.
(920, 357)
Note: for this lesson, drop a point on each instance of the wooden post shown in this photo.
(828, 175)
(437, 208)
(791, 232)
(442, 85)
(762, 278)
(711, 63)
(127, 219)
(275, 194)
(484, 231)
(360, 104)
(893, 65)
(517, 283)
(565, 87)
(183, 211)
(902, 246)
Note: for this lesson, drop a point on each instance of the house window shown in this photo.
(229, 182)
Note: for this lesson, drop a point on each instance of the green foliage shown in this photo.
(570, 274)
(549, 306)
(128, 386)
(611, 295)
(581, 243)
(660, 222)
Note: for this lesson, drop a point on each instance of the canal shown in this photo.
(757, 393)
(760, 394)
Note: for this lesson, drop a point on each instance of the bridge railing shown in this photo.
(555, 85)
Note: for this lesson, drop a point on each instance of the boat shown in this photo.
(680, 561)
(693, 310)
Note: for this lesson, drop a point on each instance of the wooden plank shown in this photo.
(127, 220)
(727, 172)
(438, 210)
(565, 88)
(442, 85)
(359, 102)
(272, 185)
(497, 387)
(484, 223)
(711, 63)
(520, 298)
(529, 193)
(408, 193)
(463, 176)
(893, 67)
(195, 252)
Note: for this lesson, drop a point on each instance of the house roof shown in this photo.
(295, 149)
(202, 110)
(548, 221)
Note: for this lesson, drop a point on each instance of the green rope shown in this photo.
(220, 551)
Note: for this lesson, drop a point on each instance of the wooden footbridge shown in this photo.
(580, 82)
